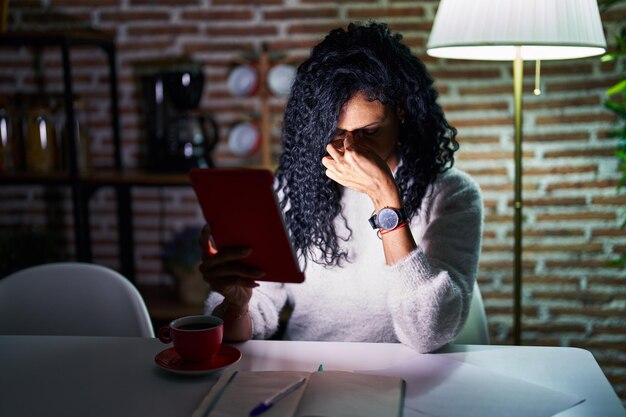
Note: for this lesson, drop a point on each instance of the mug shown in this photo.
(195, 338)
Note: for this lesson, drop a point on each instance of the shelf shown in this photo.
(80, 190)
(35, 179)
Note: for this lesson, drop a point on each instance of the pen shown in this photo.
(267, 404)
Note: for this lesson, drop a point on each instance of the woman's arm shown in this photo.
(261, 318)
(432, 287)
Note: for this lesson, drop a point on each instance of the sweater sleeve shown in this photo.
(265, 305)
(432, 287)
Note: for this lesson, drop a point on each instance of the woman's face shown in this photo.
(369, 123)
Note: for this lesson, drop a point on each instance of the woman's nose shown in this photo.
(354, 136)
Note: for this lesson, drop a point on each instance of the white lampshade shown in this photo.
(492, 29)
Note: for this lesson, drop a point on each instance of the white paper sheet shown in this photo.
(442, 387)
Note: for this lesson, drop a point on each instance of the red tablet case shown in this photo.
(241, 206)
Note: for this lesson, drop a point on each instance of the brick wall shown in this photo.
(572, 209)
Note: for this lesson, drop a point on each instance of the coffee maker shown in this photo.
(178, 136)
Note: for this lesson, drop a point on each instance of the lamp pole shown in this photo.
(518, 76)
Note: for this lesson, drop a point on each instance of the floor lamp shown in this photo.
(517, 30)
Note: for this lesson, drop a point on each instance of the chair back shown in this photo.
(475, 330)
(74, 299)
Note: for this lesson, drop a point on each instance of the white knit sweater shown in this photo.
(421, 301)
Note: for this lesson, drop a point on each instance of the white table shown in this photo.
(94, 376)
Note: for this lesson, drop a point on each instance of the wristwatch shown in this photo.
(388, 218)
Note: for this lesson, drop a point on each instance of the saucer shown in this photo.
(169, 360)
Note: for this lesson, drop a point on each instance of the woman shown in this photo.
(388, 233)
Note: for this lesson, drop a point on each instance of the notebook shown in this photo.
(327, 393)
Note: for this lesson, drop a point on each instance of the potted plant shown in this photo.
(615, 101)
(181, 257)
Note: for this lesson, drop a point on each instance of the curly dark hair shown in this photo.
(365, 58)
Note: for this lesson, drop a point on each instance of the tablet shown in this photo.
(241, 206)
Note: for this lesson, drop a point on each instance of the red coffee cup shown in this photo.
(195, 338)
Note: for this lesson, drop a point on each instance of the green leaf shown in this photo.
(615, 107)
(611, 56)
(617, 88)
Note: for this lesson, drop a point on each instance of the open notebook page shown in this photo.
(328, 393)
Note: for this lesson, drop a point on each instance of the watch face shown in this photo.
(388, 219)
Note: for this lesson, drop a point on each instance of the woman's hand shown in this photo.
(226, 272)
(356, 166)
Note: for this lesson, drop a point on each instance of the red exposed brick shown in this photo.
(241, 31)
(92, 3)
(164, 2)
(381, 13)
(498, 219)
(319, 29)
(335, 1)
(551, 233)
(207, 46)
(542, 202)
(582, 185)
(611, 329)
(614, 14)
(618, 200)
(559, 170)
(300, 13)
(167, 30)
(466, 74)
(248, 2)
(494, 311)
(577, 118)
(539, 341)
(588, 84)
(588, 311)
(475, 106)
(402, 28)
(490, 90)
(291, 44)
(608, 233)
(573, 153)
(591, 264)
(598, 344)
(606, 134)
(507, 187)
(493, 121)
(561, 281)
(415, 42)
(534, 248)
(585, 297)
(555, 328)
(556, 137)
(575, 216)
(133, 16)
(549, 68)
(213, 16)
(495, 265)
(486, 171)
(480, 156)
(593, 101)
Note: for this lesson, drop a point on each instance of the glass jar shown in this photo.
(40, 149)
(83, 138)
(7, 142)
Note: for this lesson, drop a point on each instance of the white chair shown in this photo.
(475, 331)
(74, 299)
